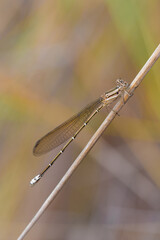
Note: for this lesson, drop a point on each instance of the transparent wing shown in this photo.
(66, 130)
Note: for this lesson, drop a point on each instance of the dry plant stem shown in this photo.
(135, 83)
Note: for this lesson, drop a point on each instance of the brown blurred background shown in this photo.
(56, 57)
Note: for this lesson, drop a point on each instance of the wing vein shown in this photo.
(65, 130)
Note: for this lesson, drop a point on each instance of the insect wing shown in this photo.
(66, 130)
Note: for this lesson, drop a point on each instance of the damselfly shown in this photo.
(73, 126)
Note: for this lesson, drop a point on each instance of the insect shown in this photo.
(73, 126)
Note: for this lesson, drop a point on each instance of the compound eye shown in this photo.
(119, 81)
(126, 84)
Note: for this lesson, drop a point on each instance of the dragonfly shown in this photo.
(74, 125)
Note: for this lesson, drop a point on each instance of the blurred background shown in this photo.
(55, 58)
